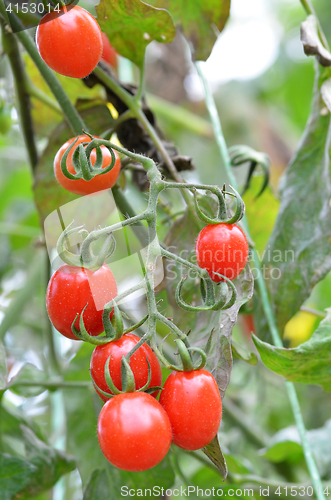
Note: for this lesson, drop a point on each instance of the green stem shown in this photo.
(52, 384)
(43, 97)
(310, 461)
(75, 121)
(11, 48)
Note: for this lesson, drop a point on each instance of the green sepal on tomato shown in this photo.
(138, 364)
(70, 289)
(81, 186)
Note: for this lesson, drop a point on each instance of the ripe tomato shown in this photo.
(222, 248)
(138, 364)
(134, 431)
(109, 54)
(80, 186)
(70, 289)
(70, 41)
(194, 407)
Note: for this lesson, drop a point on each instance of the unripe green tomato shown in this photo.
(5, 121)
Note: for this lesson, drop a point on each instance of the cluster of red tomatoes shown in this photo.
(135, 430)
(71, 43)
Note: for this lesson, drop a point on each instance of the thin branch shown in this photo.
(10, 47)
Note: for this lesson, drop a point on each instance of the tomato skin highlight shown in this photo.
(134, 431)
(80, 186)
(222, 248)
(194, 407)
(138, 363)
(70, 41)
(70, 289)
(109, 54)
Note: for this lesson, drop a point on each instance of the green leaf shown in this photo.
(50, 464)
(15, 474)
(286, 445)
(107, 483)
(309, 363)
(201, 21)
(298, 254)
(239, 353)
(214, 453)
(45, 117)
(97, 487)
(131, 25)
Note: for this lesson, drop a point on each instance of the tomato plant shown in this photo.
(70, 289)
(70, 41)
(109, 54)
(194, 406)
(134, 431)
(138, 363)
(223, 249)
(81, 186)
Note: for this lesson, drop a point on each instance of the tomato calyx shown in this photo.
(81, 159)
(222, 216)
(227, 296)
(86, 257)
(127, 379)
(114, 328)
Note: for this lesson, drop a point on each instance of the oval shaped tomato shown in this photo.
(80, 186)
(109, 54)
(194, 407)
(70, 289)
(222, 248)
(134, 431)
(138, 363)
(70, 41)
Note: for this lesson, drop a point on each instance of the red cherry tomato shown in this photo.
(134, 431)
(70, 41)
(222, 248)
(80, 186)
(194, 407)
(138, 363)
(70, 289)
(109, 54)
